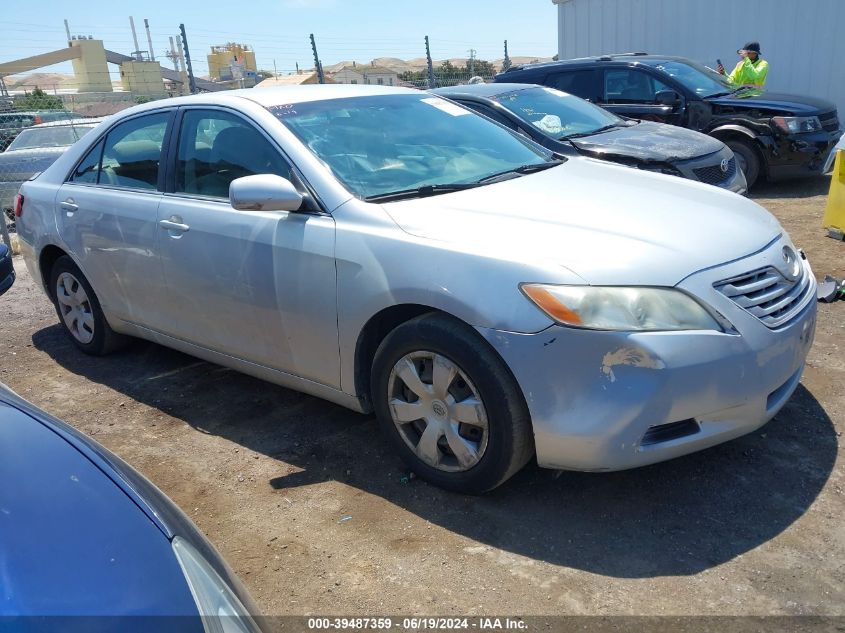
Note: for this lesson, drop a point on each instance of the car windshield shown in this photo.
(557, 114)
(57, 136)
(383, 144)
(695, 77)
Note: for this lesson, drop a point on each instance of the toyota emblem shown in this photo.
(725, 165)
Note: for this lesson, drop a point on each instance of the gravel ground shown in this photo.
(314, 512)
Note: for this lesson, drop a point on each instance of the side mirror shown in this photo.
(264, 192)
(667, 97)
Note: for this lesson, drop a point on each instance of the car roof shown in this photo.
(281, 95)
(613, 57)
(69, 122)
(481, 90)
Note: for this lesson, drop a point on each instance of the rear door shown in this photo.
(631, 92)
(256, 285)
(107, 216)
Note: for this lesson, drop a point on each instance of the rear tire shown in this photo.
(747, 159)
(79, 310)
(474, 430)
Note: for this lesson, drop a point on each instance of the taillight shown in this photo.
(18, 205)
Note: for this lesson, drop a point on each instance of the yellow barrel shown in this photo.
(834, 215)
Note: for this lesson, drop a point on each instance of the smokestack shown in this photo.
(136, 53)
(149, 39)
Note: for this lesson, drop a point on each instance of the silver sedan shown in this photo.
(393, 252)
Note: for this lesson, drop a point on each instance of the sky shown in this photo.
(278, 30)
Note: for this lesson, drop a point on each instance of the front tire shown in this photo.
(450, 405)
(79, 310)
(747, 158)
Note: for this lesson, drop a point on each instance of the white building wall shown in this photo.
(803, 40)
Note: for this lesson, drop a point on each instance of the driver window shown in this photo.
(216, 147)
(628, 85)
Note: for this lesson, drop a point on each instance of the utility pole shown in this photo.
(430, 65)
(275, 72)
(191, 81)
(471, 62)
(506, 62)
(317, 65)
(172, 56)
(136, 53)
(67, 30)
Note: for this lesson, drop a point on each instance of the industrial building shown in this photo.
(800, 40)
(231, 61)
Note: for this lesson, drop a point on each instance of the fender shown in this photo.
(730, 127)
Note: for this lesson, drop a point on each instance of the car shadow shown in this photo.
(798, 188)
(675, 518)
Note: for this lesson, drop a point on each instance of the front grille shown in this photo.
(829, 121)
(713, 174)
(768, 295)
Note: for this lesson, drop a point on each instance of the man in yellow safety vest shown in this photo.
(751, 70)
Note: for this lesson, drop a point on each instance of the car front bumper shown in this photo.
(595, 397)
(799, 155)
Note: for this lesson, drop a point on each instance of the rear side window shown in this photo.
(132, 152)
(581, 83)
(216, 147)
(88, 169)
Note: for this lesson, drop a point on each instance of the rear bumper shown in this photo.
(600, 400)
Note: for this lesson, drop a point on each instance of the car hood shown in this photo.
(607, 223)
(783, 103)
(71, 541)
(648, 142)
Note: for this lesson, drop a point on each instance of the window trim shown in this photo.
(173, 147)
(103, 136)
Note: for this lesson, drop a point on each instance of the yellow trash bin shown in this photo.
(834, 215)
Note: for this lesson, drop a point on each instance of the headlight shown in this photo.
(796, 124)
(626, 309)
(219, 607)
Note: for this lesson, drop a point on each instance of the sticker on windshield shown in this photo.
(442, 104)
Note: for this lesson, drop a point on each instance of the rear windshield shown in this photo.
(59, 136)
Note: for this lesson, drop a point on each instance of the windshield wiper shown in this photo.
(596, 131)
(522, 169)
(420, 192)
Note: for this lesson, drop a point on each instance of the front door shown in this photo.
(107, 216)
(632, 92)
(256, 285)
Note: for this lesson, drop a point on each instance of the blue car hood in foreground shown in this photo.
(71, 541)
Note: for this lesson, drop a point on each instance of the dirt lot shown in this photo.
(751, 527)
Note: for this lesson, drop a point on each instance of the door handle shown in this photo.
(173, 225)
(69, 206)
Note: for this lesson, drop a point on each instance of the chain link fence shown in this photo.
(446, 77)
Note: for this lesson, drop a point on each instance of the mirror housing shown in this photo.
(667, 97)
(264, 192)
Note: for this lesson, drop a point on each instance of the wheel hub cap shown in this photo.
(75, 307)
(438, 411)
